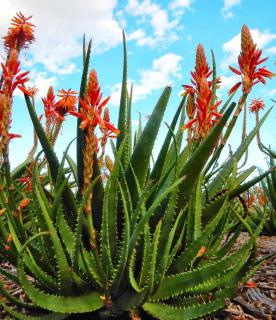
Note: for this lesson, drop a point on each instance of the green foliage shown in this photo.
(264, 201)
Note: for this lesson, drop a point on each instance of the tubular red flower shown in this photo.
(14, 135)
(27, 181)
(234, 88)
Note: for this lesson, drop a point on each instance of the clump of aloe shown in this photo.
(113, 236)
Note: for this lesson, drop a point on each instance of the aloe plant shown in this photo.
(135, 238)
(270, 197)
(261, 203)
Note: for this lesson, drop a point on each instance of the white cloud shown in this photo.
(41, 81)
(180, 4)
(60, 25)
(135, 123)
(136, 35)
(120, 16)
(163, 28)
(228, 4)
(226, 10)
(231, 48)
(116, 94)
(272, 92)
(271, 50)
(228, 82)
(228, 15)
(189, 38)
(162, 72)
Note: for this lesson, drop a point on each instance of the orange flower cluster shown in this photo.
(92, 107)
(250, 199)
(202, 115)
(261, 197)
(66, 103)
(249, 61)
(256, 105)
(20, 34)
(56, 110)
(256, 197)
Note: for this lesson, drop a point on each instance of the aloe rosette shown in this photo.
(115, 236)
(261, 202)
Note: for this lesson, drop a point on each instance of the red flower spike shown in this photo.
(49, 110)
(93, 90)
(202, 115)
(12, 76)
(49, 100)
(248, 60)
(21, 34)
(92, 106)
(256, 105)
(201, 69)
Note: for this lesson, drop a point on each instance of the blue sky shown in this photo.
(161, 38)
